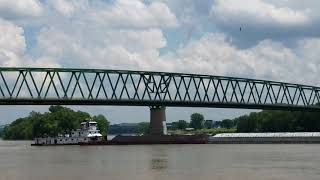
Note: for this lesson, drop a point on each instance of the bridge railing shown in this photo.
(140, 88)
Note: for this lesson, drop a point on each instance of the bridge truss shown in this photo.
(50, 86)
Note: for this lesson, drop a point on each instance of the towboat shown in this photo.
(89, 133)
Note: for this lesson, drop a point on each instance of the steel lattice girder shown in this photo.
(46, 86)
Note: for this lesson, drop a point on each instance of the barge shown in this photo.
(266, 138)
(89, 135)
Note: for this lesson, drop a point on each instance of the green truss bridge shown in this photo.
(61, 86)
(47, 86)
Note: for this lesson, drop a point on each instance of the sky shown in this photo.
(265, 39)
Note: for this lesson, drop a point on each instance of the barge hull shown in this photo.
(164, 139)
(264, 140)
(143, 140)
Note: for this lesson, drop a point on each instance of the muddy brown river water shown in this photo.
(18, 160)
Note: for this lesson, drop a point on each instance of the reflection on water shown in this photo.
(159, 157)
(18, 160)
(159, 164)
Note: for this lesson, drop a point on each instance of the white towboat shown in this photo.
(89, 133)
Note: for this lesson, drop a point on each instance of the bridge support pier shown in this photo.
(158, 120)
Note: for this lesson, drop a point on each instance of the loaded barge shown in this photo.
(266, 138)
(89, 134)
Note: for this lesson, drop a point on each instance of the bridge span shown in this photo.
(62, 86)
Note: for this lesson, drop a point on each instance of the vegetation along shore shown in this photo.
(61, 120)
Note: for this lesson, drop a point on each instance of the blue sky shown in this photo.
(279, 40)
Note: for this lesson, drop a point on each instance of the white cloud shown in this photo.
(68, 7)
(13, 48)
(257, 12)
(113, 49)
(13, 9)
(265, 19)
(122, 34)
(134, 14)
(12, 43)
(108, 44)
(211, 54)
(137, 39)
(214, 54)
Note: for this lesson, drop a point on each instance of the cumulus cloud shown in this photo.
(261, 19)
(12, 43)
(122, 34)
(278, 20)
(13, 48)
(134, 14)
(135, 43)
(257, 12)
(20, 8)
(215, 54)
(68, 7)
(117, 49)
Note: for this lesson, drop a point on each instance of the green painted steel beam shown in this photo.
(155, 103)
(15, 69)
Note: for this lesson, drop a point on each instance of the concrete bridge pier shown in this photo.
(158, 120)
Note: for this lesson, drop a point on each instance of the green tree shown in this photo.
(54, 109)
(208, 124)
(278, 121)
(227, 123)
(1, 130)
(197, 121)
(103, 123)
(182, 124)
(174, 126)
(59, 119)
(143, 128)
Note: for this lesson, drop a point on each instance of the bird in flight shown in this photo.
(240, 29)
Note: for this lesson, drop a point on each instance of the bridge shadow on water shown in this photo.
(159, 158)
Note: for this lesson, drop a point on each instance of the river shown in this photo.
(18, 160)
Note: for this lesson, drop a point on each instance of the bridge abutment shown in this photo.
(158, 120)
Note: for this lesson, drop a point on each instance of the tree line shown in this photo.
(62, 120)
(279, 121)
(59, 120)
(264, 121)
(1, 129)
(197, 121)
